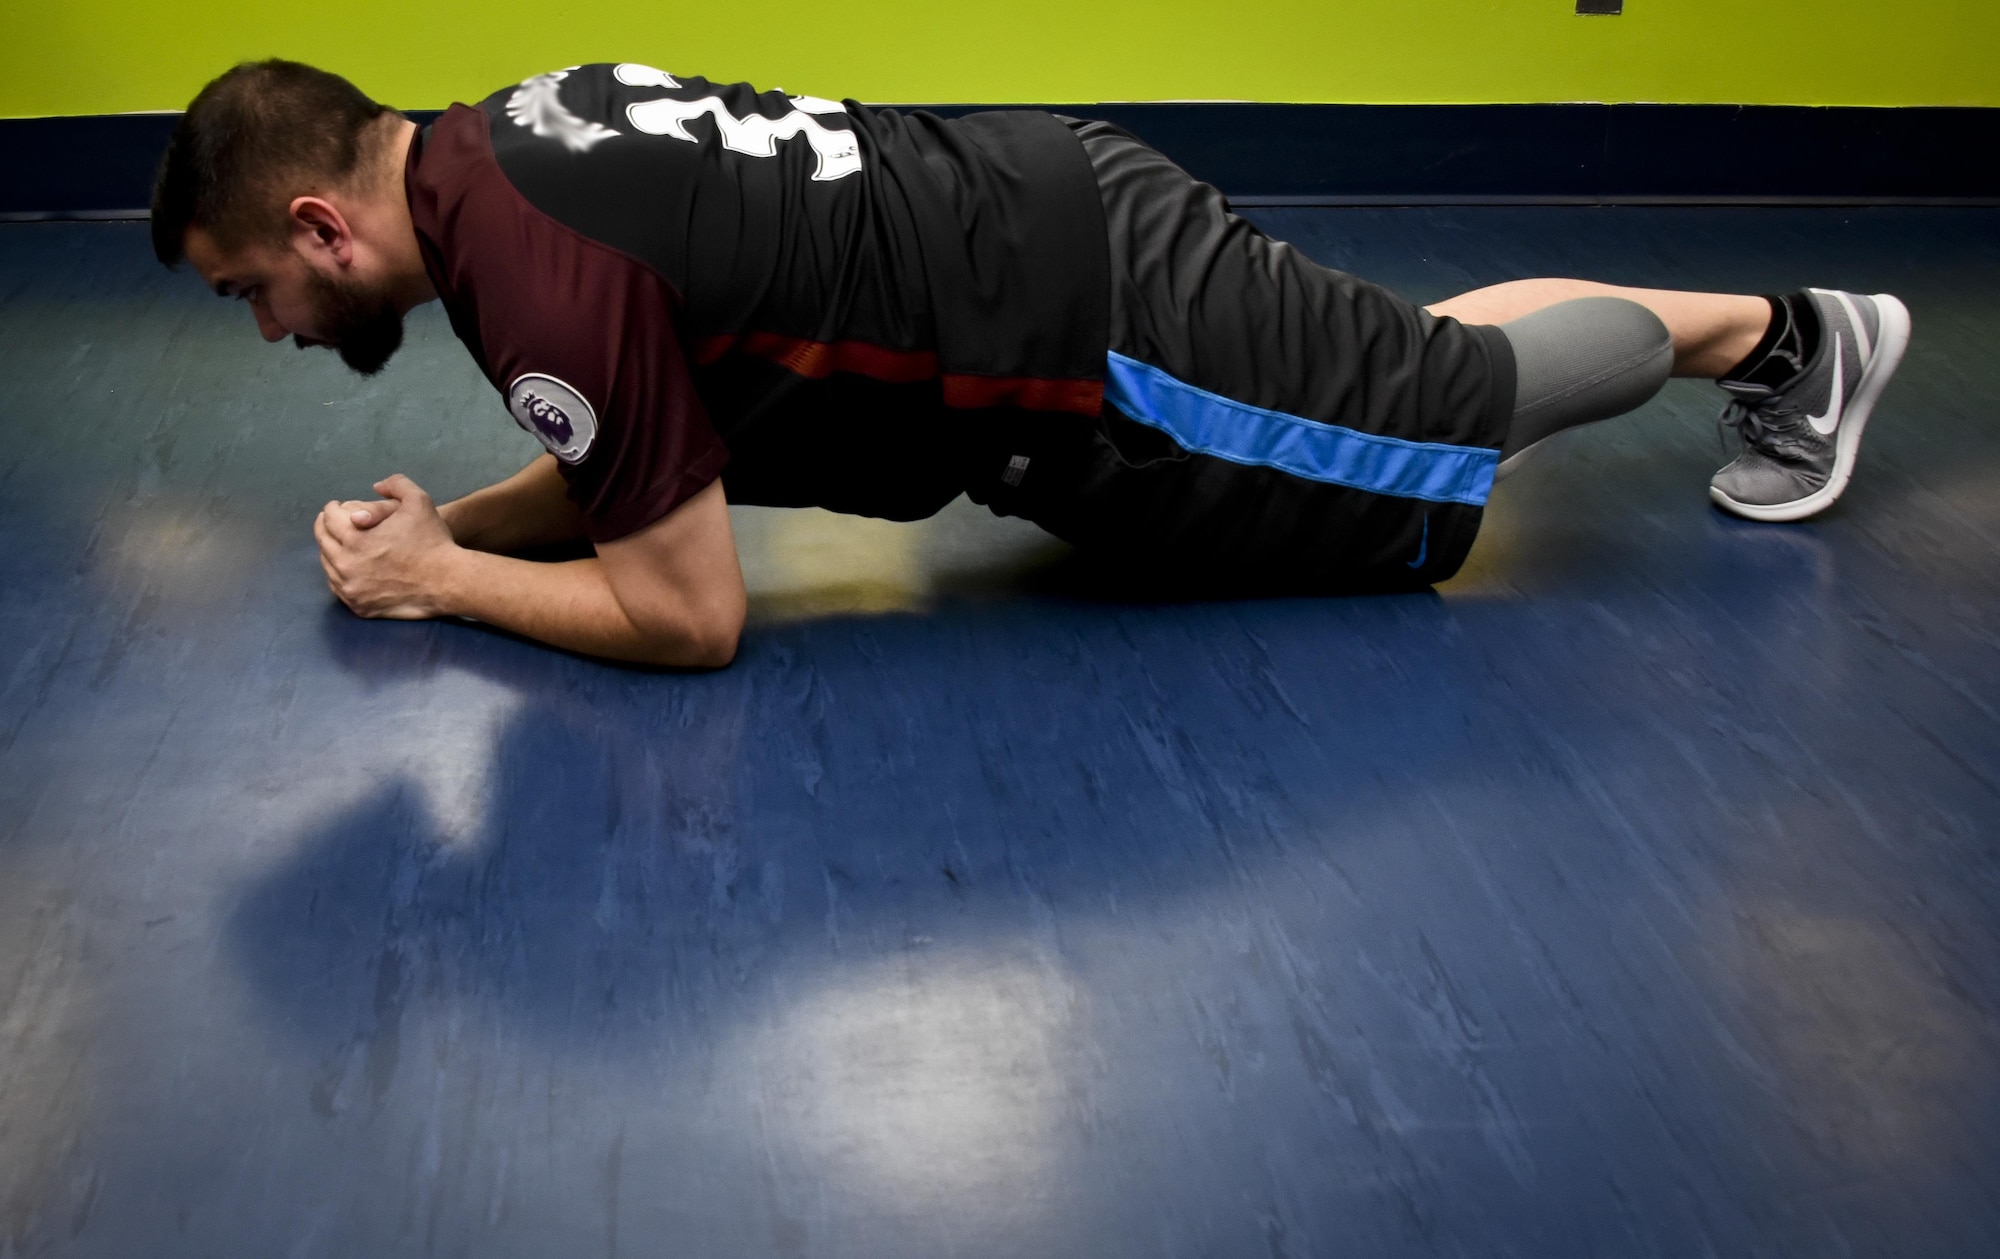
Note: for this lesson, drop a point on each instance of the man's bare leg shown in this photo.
(1712, 332)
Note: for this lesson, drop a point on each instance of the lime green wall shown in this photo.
(104, 56)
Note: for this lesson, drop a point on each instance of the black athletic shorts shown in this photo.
(1266, 419)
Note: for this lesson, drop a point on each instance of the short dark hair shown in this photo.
(255, 133)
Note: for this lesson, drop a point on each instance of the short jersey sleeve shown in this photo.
(579, 338)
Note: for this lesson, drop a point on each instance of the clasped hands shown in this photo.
(386, 558)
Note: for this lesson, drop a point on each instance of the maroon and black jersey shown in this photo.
(663, 275)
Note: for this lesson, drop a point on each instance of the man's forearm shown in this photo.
(571, 605)
(530, 508)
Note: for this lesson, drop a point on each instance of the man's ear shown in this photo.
(319, 229)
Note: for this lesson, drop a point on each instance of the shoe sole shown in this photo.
(1893, 339)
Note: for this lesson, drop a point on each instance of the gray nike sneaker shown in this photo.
(1800, 440)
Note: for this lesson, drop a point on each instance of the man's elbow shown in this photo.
(723, 628)
(716, 647)
(705, 642)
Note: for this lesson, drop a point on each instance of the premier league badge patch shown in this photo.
(556, 414)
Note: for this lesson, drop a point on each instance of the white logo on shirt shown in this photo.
(632, 74)
(557, 415)
(537, 105)
(839, 151)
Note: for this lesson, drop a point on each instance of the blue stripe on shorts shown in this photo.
(1210, 424)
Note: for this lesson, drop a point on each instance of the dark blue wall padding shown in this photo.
(1330, 154)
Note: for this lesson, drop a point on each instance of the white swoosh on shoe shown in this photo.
(1825, 424)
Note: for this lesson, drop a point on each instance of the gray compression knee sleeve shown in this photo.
(1583, 360)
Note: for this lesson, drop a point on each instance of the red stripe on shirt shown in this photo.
(1030, 393)
(817, 360)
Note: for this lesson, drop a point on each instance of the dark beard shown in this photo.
(365, 328)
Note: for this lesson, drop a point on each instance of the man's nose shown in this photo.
(271, 329)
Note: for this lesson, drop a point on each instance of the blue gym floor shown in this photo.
(1635, 894)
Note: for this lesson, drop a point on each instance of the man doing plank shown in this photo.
(673, 283)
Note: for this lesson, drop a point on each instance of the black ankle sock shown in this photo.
(1787, 345)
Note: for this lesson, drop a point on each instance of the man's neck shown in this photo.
(411, 284)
